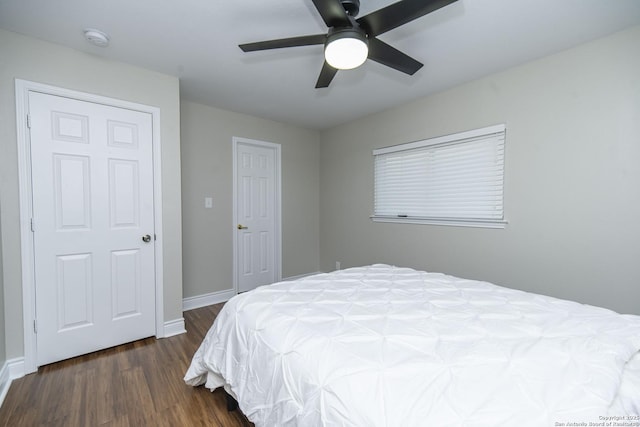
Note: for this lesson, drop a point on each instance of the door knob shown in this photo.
(242, 227)
(146, 238)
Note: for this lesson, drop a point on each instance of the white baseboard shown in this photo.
(192, 303)
(11, 370)
(16, 368)
(205, 300)
(5, 382)
(300, 276)
(174, 327)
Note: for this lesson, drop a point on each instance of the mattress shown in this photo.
(388, 346)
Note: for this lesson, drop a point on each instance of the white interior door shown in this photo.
(92, 186)
(257, 214)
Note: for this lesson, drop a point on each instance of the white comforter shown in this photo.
(386, 346)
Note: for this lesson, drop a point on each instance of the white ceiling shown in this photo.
(196, 40)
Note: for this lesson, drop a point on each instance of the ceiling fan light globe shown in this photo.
(346, 53)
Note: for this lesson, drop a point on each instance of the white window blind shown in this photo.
(451, 179)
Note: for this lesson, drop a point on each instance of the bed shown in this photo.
(388, 346)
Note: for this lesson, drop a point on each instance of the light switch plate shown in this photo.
(208, 202)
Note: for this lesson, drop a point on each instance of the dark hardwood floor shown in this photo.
(136, 384)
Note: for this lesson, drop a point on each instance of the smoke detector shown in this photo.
(96, 37)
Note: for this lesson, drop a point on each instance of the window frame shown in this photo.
(444, 141)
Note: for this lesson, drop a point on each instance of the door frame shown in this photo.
(23, 87)
(277, 256)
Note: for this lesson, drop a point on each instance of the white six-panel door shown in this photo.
(256, 215)
(92, 186)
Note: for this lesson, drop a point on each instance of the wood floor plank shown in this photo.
(77, 414)
(109, 404)
(137, 395)
(122, 421)
(135, 384)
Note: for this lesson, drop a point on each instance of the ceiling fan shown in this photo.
(350, 41)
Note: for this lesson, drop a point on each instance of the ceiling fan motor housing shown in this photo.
(352, 7)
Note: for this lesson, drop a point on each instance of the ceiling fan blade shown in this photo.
(288, 42)
(387, 55)
(326, 75)
(398, 14)
(332, 13)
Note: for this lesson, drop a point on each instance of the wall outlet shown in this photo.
(338, 266)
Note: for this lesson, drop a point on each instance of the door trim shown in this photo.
(23, 87)
(277, 258)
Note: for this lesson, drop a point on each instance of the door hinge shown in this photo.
(33, 229)
(29, 121)
(35, 327)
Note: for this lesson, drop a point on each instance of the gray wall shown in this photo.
(572, 195)
(207, 172)
(3, 351)
(30, 59)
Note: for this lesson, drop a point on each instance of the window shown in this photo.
(449, 180)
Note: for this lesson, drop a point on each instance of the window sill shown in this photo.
(447, 222)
